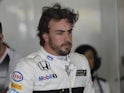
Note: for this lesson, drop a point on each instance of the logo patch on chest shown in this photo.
(81, 72)
(16, 86)
(17, 76)
(44, 65)
(47, 77)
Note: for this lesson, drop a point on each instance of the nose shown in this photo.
(68, 37)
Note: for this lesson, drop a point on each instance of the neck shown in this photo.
(55, 56)
(50, 51)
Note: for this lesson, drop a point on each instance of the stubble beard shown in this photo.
(59, 50)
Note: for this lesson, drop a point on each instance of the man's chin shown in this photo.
(64, 53)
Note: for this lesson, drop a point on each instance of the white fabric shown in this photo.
(57, 74)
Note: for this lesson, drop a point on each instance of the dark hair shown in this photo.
(55, 12)
(84, 48)
(0, 27)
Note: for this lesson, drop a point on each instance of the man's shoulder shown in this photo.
(31, 58)
(28, 61)
(77, 56)
(78, 59)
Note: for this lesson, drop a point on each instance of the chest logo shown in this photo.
(81, 73)
(44, 65)
(47, 77)
(17, 76)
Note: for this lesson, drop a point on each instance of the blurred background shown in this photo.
(101, 24)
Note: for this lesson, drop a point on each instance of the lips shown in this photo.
(67, 45)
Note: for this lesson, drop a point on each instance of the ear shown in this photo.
(46, 37)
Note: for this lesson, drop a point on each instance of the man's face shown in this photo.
(59, 39)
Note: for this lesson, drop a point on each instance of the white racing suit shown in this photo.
(42, 73)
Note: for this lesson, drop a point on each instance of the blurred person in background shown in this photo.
(100, 85)
(8, 60)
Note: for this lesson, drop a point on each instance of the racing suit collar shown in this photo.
(52, 57)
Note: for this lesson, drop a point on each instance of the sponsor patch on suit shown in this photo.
(16, 86)
(81, 72)
(44, 65)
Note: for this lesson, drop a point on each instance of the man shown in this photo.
(53, 69)
(8, 59)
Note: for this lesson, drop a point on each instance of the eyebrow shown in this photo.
(64, 30)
